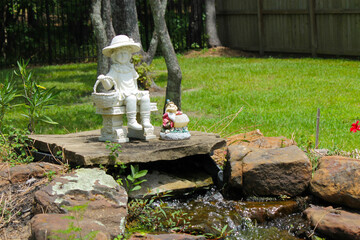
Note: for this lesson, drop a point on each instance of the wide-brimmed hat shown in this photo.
(119, 42)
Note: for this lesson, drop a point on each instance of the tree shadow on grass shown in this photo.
(72, 119)
(161, 79)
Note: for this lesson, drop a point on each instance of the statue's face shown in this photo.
(121, 56)
(172, 108)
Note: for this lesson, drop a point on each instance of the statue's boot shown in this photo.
(145, 111)
(145, 119)
(132, 123)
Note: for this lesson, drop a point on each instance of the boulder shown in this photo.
(334, 224)
(266, 211)
(173, 236)
(337, 180)
(244, 137)
(233, 171)
(44, 226)
(269, 142)
(266, 172)
(106, 201)
(21, 173)
(253, 139)
(280, 171)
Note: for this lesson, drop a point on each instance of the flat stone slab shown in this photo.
(161, 182)
(84, 148)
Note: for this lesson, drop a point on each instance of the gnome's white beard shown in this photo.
(172, 116)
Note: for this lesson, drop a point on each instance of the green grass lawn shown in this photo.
(278, 96)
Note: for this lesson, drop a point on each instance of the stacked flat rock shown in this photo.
(103, 199)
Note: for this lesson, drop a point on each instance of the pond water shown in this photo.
(257, 218)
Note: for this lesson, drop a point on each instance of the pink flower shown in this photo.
(355, 127)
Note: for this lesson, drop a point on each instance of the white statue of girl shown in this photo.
(122, 71)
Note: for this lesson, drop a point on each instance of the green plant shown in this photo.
(15, 146)
(73, 231)
(195, 45)
(146, 216)
(177, 220)
(60, 158)
(37, 98)
(102, 167)
(50, 174)
(222, 232)
(314, 237)
(133, 182)
(115, 149)
(144, 70)
(310, 144)
(119, 237)
(284, 197)
(8, 93)
(282, 145)
(59, 154)
(314, 159)
(127, 234)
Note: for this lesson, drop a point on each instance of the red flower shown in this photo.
(355, 127)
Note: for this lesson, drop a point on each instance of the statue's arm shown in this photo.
(106, 81)
(135, 77)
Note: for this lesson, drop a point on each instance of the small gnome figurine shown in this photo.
(174, 123)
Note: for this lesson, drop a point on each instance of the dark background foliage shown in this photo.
(60, 31)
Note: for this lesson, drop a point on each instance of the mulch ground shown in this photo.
(15, 209)
(218, 52)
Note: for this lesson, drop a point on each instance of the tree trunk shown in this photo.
(107, 20)
(195, 25)
(100, 35)
(150, 54)
(125, 21)
(211, 30)
(173, 88)
(125, 18)
(118, 16)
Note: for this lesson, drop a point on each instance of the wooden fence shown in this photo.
(291, 26)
